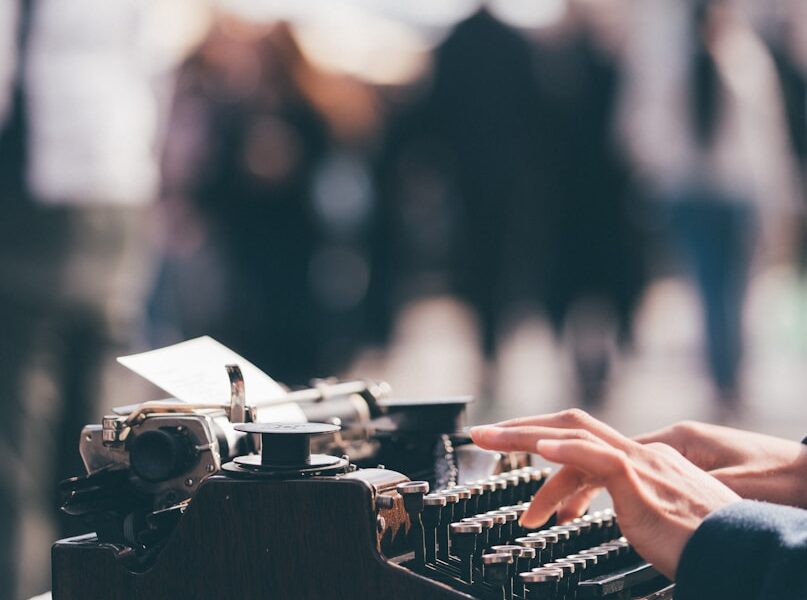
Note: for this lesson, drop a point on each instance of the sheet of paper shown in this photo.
(193, 371)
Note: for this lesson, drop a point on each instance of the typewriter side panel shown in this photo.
(303, 539)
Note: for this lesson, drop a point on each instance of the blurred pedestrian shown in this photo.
(247, 177)
(78, 165)
(458, 163)
(703, 116)
(586, 248)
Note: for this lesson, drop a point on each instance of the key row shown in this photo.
(476, 536)
(559, 579)
(432, 516)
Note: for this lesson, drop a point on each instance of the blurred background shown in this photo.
(543, 203)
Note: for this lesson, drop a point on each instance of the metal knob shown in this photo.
(288, 445)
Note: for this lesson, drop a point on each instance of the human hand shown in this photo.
(658, 494)
(756, 466)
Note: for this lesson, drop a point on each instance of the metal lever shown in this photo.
(238, 402)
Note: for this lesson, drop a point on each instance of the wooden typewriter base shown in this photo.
(248, 539)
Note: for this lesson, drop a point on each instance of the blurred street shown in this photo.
(660, 381)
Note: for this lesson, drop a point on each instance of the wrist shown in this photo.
(778, 475)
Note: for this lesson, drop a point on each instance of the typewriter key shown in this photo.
(497, 496)
(476, 491)
(496, 534)
(518, 564)
(584, 526)
(536, 480)
(574, 538)
(589, 562)
(432, 507)
(513, 483)
(497, 572)
(461, 510)
(536, 543)
(580, 565)
(563, 546)
(464, 536)
(483, 539)
(571, 572)
(485, 499)
(609, 525)
(627, 554)
(446, 518)
(552, 549)
(615, 553)
(524, 563)
(413, 493)
(519, 509)
(602, 559)
(541, 584)
(524, 478)
(565, 583)
(510, 518)
(596, 528)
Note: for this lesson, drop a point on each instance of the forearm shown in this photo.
(746, 551)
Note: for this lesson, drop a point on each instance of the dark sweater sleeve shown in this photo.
(746, 551)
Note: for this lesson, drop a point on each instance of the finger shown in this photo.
(514, 439)
(572, 419)
(599, 460)
(664, 436)
(577, 504)
(680, 437)
(564, 483)
(586, 462)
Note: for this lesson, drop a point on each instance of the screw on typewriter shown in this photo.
(286, 452)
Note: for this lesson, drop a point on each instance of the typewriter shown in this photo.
(368, 498)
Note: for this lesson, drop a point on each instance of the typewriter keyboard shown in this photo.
(469, 537)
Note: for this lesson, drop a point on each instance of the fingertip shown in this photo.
(564, 516)
(533, 523)
(481, 434)
(477, 430)
(535, 516)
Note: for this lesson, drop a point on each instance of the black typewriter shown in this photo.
(388, 500)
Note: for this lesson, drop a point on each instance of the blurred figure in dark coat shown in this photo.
(247, 175)
(590, 250)
(505, 185)
(456, 164)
